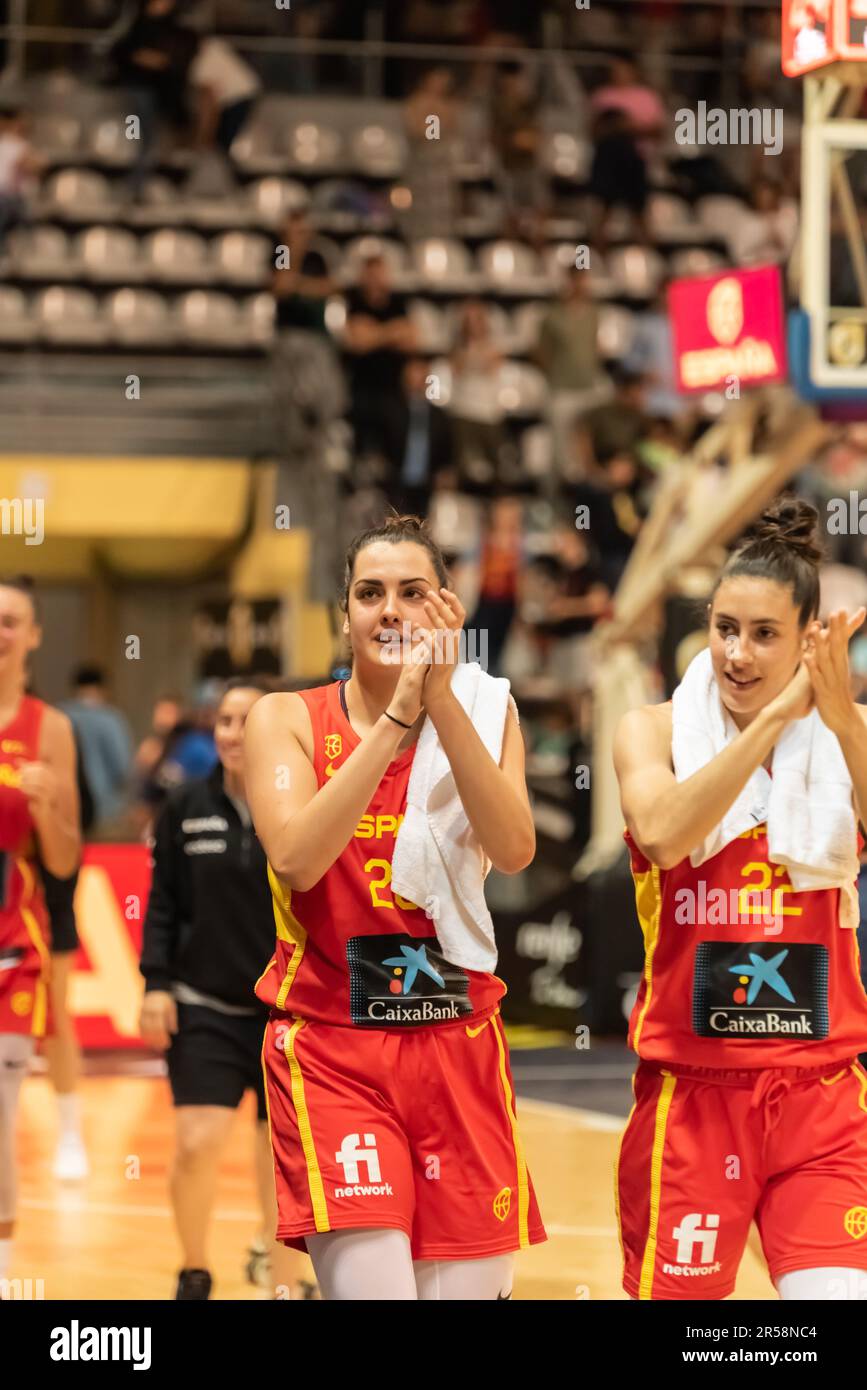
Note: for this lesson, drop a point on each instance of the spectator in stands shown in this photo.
(18, 164)
(427, 448)
(226, 91)
(378, 337)
(516, 138)
(103, 736)
(500, 559)
(568, 354)
(766, 232)
(430, 165)
(614, 426)
(651, 359)
(152, 59)
(181, 746)
(475, 407)
(628, 119)
(578, 599)
(617, 502)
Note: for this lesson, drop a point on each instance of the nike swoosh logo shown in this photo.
(329, 771)
(474, 1032)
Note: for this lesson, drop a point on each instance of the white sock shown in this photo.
(70, 1116)
(5, 1255)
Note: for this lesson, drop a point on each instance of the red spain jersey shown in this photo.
(740, 970)
(24, 925)
(350, 950)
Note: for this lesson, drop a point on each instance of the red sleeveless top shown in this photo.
(350, 950)
(24, 923)
(740, 970)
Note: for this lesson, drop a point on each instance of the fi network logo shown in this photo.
(350, 1156)
(690, 1233)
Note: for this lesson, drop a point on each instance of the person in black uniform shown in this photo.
(208, 935)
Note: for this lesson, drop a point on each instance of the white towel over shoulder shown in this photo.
(807, 803)
(437, 861)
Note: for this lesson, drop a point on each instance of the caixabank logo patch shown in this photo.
(759, 989)
(403, 981)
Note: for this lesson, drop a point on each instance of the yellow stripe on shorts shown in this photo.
(314, 1176)
(520, 1162)
(663, 1105)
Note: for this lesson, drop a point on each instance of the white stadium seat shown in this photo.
(272, 199)
(356, 251)
(378, 151)
(433, 329)
(507, 265)
(177, 255)
(636, 270)
(444, 262)
(108, 253)
(258, 318)
(696, 260)
(139, 318)
(79, 193)
(314, 147)
(207, 317)
(17, 324)
(41, 252)
(616, 332)
(109, 143)
(243, 258)
(69, 315)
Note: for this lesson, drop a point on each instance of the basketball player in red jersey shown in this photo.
(38, 809)
(749, 1101)
(397, 1156)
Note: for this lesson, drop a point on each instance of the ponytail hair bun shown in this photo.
(788, 521)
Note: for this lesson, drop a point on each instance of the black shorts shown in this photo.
(214, 1058)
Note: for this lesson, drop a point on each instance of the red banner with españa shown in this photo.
(728, 330)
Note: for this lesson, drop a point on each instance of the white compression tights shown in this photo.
(16, 1049)
(377, 1264)
(823, 1285)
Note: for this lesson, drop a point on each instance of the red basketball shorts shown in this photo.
(704, 1153)
(411, 1129)
(24, 1003)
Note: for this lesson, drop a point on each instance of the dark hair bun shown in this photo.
(788, 521)
(396, 522)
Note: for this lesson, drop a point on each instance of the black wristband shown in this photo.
(396, 721)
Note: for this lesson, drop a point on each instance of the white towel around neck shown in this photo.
(438, 861)
(807, 804)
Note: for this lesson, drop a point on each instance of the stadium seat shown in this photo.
(432, 326)
(253, 150)
(108, 253)
(537, 451)
(616, 331)
(69, 315)
(79, 194)
(718, 214)
(378, 151)
(670, 218)
(177, 255)
(206, 317)
(17, 324)
(314, 147)
(41, 252)
(696, 260)
(508, 265)
(272, 199)
(355, 252)
(565, 155)
(258, 317)
(108, 143)
(635, 270)
(55, 135)
(243, 258)
(443, 262)
(139, 318)
(522, 389)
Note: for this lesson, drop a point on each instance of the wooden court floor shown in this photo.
(112, 1236)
